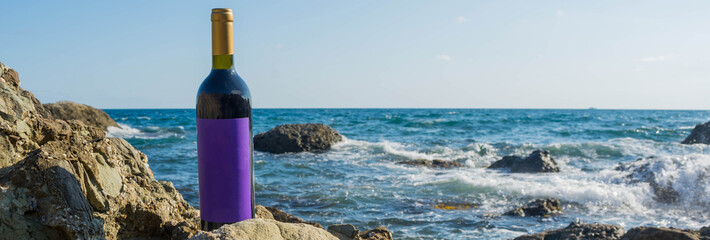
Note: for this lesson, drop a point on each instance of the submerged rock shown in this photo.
(91, 116)
(537, 162)
(456, 206)
(659, 233)
(297, 138)
(579, 230)
(700, 134)
(436, 163)
(538, 207)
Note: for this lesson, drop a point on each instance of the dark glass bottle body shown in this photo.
(223, 95)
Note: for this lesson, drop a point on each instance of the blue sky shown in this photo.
(441, 54)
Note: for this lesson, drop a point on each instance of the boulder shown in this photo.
(64, 180)
(349, 232)
(538, 207)
(90, 190)
(297, 138)
(579, 230)
(67, 110)
(659, 233)
(259, 228)
(700, 134)
(436, 163)
(538, 161)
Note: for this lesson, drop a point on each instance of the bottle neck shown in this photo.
(225, 61)
(222, 39)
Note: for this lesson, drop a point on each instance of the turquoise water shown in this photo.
(358, 181)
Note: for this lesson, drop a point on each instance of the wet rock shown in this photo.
(700, 134)
(705, 232)
(259, 228)
(658, 233)
(282, 216)
(538, 161)
(436, 163)
(297, 138)
(538, 207)
(579, 230)
(67, 110)
(349, 232)
(644, 170)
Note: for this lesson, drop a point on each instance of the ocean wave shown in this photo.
(474, 154)
(127, 132)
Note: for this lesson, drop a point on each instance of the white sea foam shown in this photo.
(126, 131)
(607, 195)
(475, 154)
(143, 118)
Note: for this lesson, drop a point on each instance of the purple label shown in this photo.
(224, 165)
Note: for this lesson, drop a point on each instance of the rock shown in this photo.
(67, 110)
(265, 229)
(658, 233)
(537, 162)
(436, 163)
(20, 130)
(262, 212)
(64, 180)
(644, 170)
(344, 231)
(579, 230)
(282, 216)
(538, 207)
(349, 232)
(297, 138)
(705, 232)
(379, 233)
(700, 134)
(89, 190)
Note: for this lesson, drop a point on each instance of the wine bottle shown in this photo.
(224, 134)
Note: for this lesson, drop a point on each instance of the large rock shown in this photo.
(658, 233)
(259, 228)
(700, 134)
(578, 230)
(65, 180)
(436, 163)
(537, 162)
(96, 189)
(538, 207)
(297, 138)
(20, 130)
(67, 110)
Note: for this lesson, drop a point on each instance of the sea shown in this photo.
(359, 182)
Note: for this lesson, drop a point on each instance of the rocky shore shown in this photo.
(62, 178)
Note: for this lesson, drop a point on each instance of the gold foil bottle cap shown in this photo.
(222, 39)
(222, 15)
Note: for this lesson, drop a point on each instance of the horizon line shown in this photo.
(431, 108)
